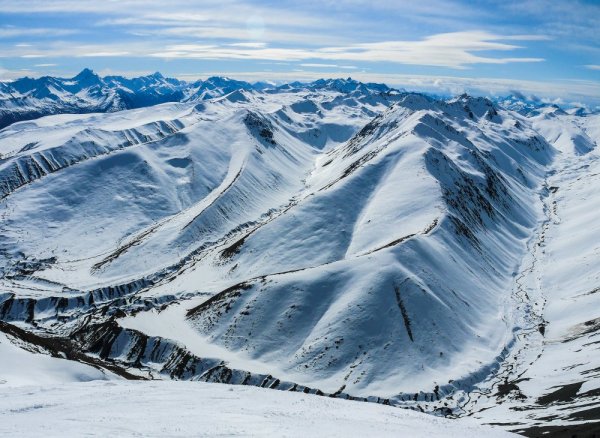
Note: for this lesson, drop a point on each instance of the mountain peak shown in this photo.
(87, 78)
(86, 73)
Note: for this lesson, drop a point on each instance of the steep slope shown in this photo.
(551, 384)
(340, 311)
(170, 182)
(334, 238)
(446, 180)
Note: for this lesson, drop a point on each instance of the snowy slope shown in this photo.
(344, 310)
(204, 409)
(554, 381)
(334, 238)
(283, 189)
(20, 367)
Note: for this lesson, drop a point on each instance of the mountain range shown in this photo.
(334, 238)
(27, 98)
(87, 92)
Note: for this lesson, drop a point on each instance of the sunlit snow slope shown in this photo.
(334, 239)
(179, 409)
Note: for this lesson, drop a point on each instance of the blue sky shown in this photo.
(548, 48)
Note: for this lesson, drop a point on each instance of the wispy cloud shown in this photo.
(12, 31)
(457, 50)
(317, 65)
(593, 66)
(105, 54)
(254, 45)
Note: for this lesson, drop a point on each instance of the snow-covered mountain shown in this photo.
(215, 86)
(334, 238)
(533, 106)
(27, 98)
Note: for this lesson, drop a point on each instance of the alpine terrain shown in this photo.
(336, 238)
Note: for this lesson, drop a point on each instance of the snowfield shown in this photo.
(184, 409)
(54, 397)
(333, 238)
(20, 367)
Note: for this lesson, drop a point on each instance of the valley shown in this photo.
(332, 238)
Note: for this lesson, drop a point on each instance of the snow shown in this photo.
(156, 409)
(387, 195)
(19, 367)
(171, 323)
(336, 237)
(562, 284)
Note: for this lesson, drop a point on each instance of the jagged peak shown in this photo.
(474, 106)
(415, 102)
(238, 95)
(86, 73)
(469, 99)
(349, 85)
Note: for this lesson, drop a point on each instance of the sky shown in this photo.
(544, 48)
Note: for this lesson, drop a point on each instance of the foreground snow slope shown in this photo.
(22, 367)
(160, 409)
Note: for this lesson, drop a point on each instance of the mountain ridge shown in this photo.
(346, 241)
(28, 98)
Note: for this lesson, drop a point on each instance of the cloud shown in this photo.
(593, 66)
(12, 32)
(317, 65)
(454, 50)
(104, 54)
(45, 65)
(232, 32)
(10, 75)
(457, 50)
(250, 45)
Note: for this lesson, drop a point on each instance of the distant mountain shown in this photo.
(214, 86)
(87, 92)
(521, 103)
(349, 86)
(27, 98)
(532, 106)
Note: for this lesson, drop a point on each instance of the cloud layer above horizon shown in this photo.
(547, 47)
